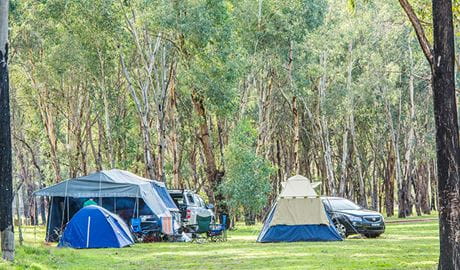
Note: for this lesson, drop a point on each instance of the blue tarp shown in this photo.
(95, 227)
(294, 233)
(162, 191)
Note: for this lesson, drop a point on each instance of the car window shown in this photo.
(200, 201)
(343, 204)
(178, 199)
(197, 200)
(327, 206)
(190, 199)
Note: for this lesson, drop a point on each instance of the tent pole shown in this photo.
(100, 187)
(87, 232)
(48, 221)
(68, 216)
(134, 209)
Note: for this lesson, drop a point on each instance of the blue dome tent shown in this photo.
(95, 227)
(298, 215)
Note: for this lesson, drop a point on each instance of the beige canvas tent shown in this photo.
(298, 215)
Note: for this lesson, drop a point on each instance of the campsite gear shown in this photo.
(201, 227)
(89, 202)
(214, 232)
(136, 225)
(148, 230)
(298, 215)
(218, 232)
(167, 225)
(95, 227)
(121, 192)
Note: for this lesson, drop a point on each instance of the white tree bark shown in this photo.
(146, 78)
(408, 159)
(343, 175)
(394, 135)
(324, 129)
(3, 24)
(362, 190)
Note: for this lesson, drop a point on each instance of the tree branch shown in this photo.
(422, 39)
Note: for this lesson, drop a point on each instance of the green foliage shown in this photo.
(247, 181)
(234, 55)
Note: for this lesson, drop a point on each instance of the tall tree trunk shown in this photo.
(175, 152)
(447, 141)
(6, 173)
(343, 167)
(442, 62)
(295, 112)
(143, 110)
(161, 142)
(343, 175)
(41, 177)
(163, 77)
(361, 185)
(105, 99)
(213, 175)
(48, 121)
(404, 192)
(389, 181)
(324, 129)
(434, 187)
(423, 190)
(280, 167)
(394, 135)
(264, 102)
(21, 238)
(375, 187)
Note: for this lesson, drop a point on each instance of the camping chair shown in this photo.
(136, 229)
(136, 225)
(147, 232)
(202, 226)
(218, 232)
(214, 232)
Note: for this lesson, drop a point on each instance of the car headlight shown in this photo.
(354, 218)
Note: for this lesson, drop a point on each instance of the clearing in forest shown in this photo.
(411, 245)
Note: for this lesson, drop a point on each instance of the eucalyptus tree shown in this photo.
(6, 182)
(207, 74)
(271, 33)
(442, 62)
(246, 184)
(441, 59)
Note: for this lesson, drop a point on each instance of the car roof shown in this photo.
(332, 198)
(179, 191)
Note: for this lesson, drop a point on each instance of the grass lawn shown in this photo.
(403, 246)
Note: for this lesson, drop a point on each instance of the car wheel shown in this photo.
(341, 229)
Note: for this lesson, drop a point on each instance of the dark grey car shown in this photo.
(349, 218)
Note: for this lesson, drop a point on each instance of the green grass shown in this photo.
(433, 214)
(403, 246)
